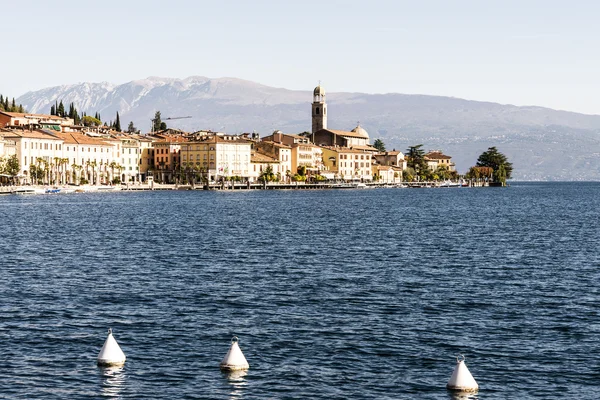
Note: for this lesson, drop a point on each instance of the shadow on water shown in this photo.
(113, 381)
(238, 382)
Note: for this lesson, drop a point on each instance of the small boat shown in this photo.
(107, 188)
(23, 190)
(52, 191)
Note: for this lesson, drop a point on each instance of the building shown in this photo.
(436, 159)
(280, 152)
(387, 173)
(304, 152)
(36, 121)
(219, 156)
(388, 166)
(347, 164)
(53, 157)
(261, 162)
(319, 110)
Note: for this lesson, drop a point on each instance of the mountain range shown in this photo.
(542, 144)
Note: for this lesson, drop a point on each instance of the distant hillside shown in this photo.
(543, 144)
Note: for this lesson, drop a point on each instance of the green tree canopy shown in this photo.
(492, 158)
(131, 128)
(267, 175)
(5, 105)
(379, 145)
(91, 121)
(416, 159)
(157, 124)
(118, 123)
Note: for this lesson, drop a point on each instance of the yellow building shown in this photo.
(220, 156)
(347, 164)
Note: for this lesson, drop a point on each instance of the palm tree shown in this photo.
(94, 164)
(112, 166)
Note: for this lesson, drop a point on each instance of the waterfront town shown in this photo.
(52, 150)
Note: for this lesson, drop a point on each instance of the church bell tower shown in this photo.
(319, 110)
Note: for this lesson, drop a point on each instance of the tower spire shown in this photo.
(319, 109)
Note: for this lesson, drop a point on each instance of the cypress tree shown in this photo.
(13, 108)
(52, 110)
(61, 109)
(118, 123)
(6, 105)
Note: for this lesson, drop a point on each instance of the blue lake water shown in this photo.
(334, 294)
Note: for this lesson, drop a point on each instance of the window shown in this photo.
(317, 110)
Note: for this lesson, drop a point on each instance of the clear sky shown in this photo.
(525, 52)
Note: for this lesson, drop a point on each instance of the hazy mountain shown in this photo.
(543, 144)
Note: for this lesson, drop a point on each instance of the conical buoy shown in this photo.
(234, 359)
(111, 354)
(461, 379)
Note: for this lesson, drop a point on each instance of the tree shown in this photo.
(131, 128)
(492, 158)
(267, 175)
(416, 159)
(60, 111)
(12, 166)
(91, 121)
(379, 145)
(118, 123)
(157, 124)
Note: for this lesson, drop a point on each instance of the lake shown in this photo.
(334, 294)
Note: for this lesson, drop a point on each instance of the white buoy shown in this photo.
(234, 359)
(461, 379)
(111, 354)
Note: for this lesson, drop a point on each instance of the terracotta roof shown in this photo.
(369, 148)
(39, 116)
(31, 135)
(344, 133)
(79, 138)
(344, 149)
(275, 144)
(437, 155)
(262, 158)
(220, 139)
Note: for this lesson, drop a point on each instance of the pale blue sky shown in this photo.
(543, 53)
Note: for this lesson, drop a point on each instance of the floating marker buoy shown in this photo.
(111, 354)
(461, 379)
(234, 359)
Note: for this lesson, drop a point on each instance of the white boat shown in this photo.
(24, 190)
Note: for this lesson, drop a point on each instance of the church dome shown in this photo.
(361, 131)
(319, 91)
